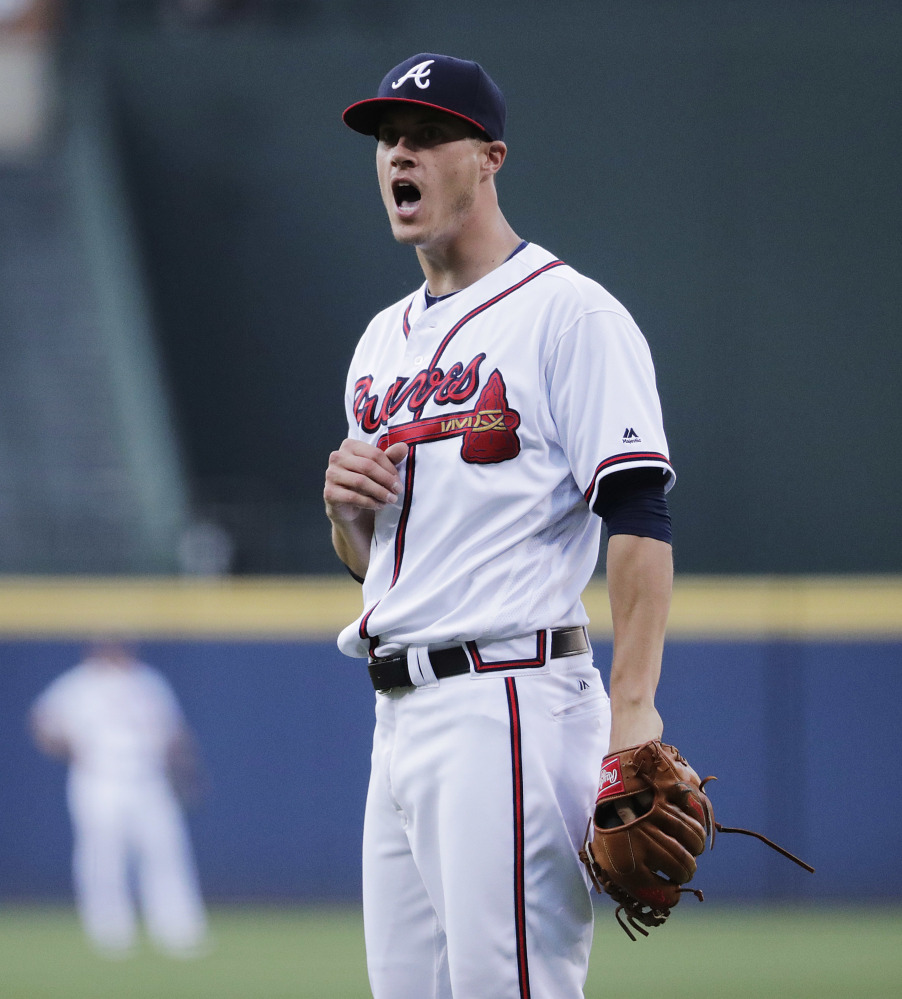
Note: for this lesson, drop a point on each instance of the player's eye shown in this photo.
(434, 135)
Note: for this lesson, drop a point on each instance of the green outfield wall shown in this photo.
(729, 171)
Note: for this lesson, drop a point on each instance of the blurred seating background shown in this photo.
(192, 243)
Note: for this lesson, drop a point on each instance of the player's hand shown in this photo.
(360, 477)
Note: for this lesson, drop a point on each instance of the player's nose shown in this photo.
(402, 151)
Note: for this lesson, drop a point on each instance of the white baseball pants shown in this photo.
(480, 793)
(122, 828)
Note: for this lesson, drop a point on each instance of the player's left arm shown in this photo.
(640, 583)
(604, 402)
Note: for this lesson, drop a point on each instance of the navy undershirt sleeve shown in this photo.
(633, 502)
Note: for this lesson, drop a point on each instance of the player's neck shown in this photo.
(468, 256)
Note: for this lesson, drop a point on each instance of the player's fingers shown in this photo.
(346, 486)
(625, 811)
(396, 453)
(361, 457)
(344, 504)
(351, 476)
(631, 808)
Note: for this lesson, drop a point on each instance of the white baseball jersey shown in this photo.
(118, 723)
(517, 396)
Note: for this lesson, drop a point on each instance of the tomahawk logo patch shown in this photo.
(611, 779)
(488, 430)
(490, 435)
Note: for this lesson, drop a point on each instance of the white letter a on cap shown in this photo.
(419, 74)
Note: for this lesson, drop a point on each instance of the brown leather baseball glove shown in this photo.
(652, 819)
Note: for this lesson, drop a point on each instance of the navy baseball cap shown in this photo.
(458, 86)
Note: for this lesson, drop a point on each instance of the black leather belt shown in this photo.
(391, 673)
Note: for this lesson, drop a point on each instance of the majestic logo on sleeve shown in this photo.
(419, 74)
(488, 429)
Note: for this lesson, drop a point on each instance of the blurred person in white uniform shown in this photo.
(118, 724)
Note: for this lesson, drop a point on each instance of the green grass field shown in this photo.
(317, 953)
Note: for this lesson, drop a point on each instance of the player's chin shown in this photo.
(407, 233)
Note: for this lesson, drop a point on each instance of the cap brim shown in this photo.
(365, 116)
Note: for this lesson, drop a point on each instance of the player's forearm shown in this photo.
(640, 582)
(351, 541)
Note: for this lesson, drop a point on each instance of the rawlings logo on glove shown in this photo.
(610, 781)
(652, 819)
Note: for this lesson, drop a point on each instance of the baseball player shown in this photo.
(497, 415)
(117, 722)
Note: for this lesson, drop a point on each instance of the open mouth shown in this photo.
(406, 194)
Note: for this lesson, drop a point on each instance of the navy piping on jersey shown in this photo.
(458, 326)
(401, 533)
(622, 459)
(418, 415)
(432, 299)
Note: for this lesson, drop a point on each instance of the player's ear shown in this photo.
(495, 153)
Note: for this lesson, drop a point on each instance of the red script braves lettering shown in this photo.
(456, 385)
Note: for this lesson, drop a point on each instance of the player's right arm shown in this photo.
(360, 480)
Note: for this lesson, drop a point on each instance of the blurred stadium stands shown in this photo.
(67, 502)
(89, 480)
(192, 244)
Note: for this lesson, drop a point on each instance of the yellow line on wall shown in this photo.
(150, 606)
(841, 607)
